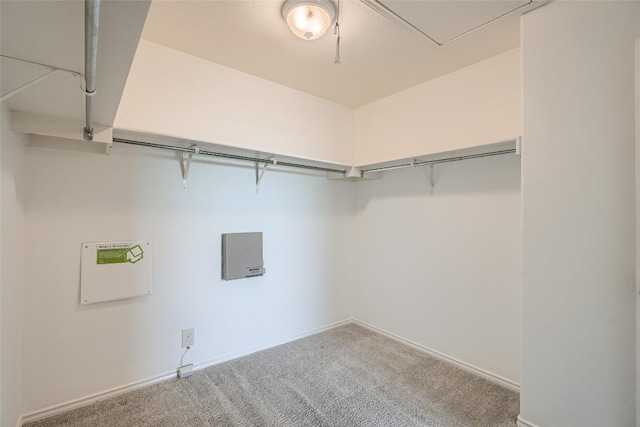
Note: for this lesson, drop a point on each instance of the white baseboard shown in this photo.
(96, 397)
(523, 423)
(512, 385)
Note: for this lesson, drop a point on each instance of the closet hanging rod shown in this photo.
(438, 161)
(270, 161)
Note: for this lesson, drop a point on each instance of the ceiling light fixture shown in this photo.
(308, 19)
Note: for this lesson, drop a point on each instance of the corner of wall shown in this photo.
(12, 159)
(579, 241)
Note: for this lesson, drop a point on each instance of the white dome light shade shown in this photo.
(308, 19)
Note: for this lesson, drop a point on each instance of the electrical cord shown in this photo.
(183, 354)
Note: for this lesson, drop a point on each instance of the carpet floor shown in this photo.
(347, 376)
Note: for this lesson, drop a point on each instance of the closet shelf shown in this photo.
(191, 147)
(510, 146)
(261, 159)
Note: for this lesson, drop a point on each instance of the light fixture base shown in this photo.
(308, 19)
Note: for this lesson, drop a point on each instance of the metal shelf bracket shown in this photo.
(185, 163)
(260, 172)
(431, 177)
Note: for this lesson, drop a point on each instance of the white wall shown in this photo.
(476, 105)
(308, 224)
(12, 158)
(175, 94)
(443, 270)
(71, 351)
(579, 222)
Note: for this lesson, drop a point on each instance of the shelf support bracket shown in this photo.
(260, 172)
(431, 177)
(185, 164)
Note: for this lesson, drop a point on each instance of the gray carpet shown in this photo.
(348, 376)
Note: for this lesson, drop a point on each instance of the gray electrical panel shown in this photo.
(242, 256)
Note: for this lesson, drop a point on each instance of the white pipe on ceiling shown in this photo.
(91, 21)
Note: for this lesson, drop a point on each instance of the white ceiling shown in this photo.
(379, 57)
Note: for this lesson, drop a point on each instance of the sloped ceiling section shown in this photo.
(379, 57)
(52, 33)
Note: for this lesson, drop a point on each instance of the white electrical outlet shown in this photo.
(188, 337)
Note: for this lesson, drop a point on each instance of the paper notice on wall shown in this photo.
(115, 270)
